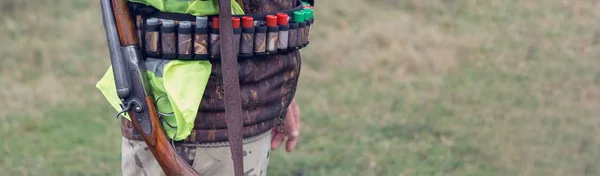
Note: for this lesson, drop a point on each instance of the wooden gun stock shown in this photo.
(158, 142)
(125, 23)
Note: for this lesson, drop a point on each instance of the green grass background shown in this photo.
(388, 87)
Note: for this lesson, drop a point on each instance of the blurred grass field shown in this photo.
(388, 87)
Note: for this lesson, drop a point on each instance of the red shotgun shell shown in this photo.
(271, 20)
(236, 22)
(215, 22)
(282, 18)
(247, 22)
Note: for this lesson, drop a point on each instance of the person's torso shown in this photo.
(267, 84)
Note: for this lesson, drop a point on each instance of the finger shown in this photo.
(289, 123)
(292, 140)
(296, 113)
(292, 128)
(274, 132)
(276, 141)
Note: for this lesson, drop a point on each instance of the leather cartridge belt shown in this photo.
(178, 36)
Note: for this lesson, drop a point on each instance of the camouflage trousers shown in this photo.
(212, 159)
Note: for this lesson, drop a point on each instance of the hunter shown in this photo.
(189, 92)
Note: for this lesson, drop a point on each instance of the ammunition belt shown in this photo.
(178, 36)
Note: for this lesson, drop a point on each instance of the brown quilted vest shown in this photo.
(267, 83)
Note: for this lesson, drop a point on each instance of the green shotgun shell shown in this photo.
(308, 14)
(298, 16)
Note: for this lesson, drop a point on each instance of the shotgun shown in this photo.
(133, 88)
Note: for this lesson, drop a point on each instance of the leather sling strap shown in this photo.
(231, 84)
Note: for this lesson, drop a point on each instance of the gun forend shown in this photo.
(122, 79)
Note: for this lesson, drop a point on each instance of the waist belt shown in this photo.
(201, 136)
(166, 35)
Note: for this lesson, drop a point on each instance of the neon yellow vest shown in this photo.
(193, 7)
(178, 86)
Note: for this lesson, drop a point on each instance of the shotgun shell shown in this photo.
(247, 41)
(260, 40)
(201, 38)
(184, 37)
(168, 40)
(152, 38)
(299, 18)
(214, 38)
(308, 14)
(237, 34)
(138, 26)
(293, 36)
(272, 34)
(284, 27)
(306, 5)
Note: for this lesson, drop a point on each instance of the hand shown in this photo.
(291, 129)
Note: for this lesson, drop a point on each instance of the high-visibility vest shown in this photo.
(193, 7)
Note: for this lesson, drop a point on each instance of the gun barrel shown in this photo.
(122, 79)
